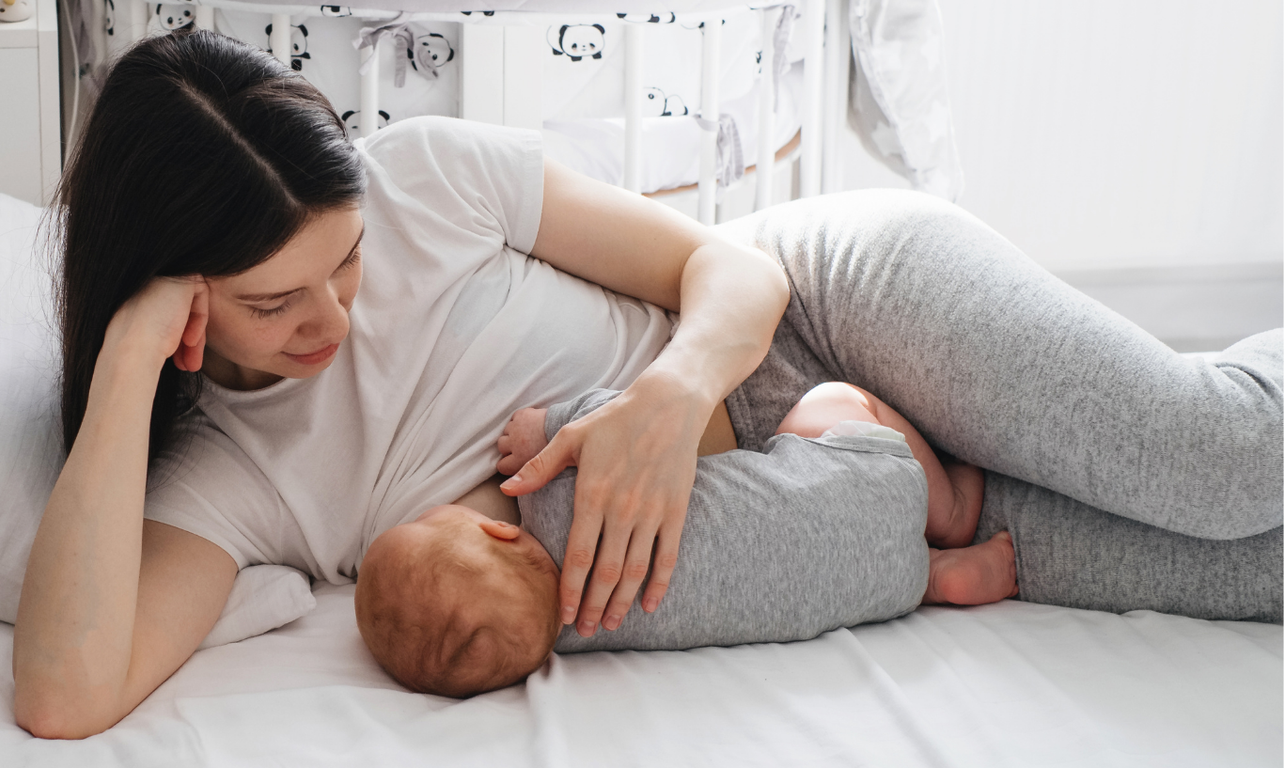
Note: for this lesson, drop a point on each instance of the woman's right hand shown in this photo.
(166, 318)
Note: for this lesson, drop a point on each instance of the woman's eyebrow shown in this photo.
(256, 297)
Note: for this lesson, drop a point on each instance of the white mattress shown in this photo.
(1011, 684)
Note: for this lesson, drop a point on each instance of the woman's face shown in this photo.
(286, 317)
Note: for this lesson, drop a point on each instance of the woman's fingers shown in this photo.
(191, 347)
(608, 567)
(581, 546)
(666, 559)
(636, 564)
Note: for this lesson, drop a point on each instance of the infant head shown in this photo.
(457, 604)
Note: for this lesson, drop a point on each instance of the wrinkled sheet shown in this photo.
(1011, 684)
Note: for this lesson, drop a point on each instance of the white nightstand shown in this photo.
(31, 129)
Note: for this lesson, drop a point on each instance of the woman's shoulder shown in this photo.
(444, 138)
(456, 176)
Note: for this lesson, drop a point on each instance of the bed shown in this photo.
(1012, 683)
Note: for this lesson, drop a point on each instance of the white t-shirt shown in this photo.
(454, 328)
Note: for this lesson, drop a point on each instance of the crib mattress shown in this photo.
(1010, 684)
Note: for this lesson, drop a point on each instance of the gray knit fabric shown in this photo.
(1140, 455)
(802, 538)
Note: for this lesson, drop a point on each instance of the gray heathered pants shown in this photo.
(800, 539)
(1130, 476)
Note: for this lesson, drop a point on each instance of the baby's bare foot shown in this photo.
(523, 438)
(958, 527)
(985, 573)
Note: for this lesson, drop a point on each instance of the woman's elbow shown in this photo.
(775, 279)
(55, 717)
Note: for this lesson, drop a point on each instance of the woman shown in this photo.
(217, 220)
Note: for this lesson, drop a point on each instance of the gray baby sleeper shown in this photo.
(807, 536)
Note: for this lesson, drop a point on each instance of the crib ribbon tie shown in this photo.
(399, 32)
(731, 160)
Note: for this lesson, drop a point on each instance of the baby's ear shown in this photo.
(501, 530)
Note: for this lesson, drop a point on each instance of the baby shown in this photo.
(828, 527)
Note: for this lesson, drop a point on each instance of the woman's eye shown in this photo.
(352, 259)
(266, 313)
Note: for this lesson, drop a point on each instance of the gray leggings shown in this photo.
(1129, 476)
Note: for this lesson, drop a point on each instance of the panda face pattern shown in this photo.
(298, 45)
(352, 122)
(109, 17)
(577, 41)
(175, 16)
(335, 11)
(656, 104)
(430, 53)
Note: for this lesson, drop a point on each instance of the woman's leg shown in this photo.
(1068, 553)
(1004, 366)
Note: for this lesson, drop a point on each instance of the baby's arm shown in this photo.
(529, 430)
(953, 493)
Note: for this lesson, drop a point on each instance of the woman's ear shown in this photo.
(500, 529)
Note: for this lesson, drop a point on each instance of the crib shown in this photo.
(500, 77)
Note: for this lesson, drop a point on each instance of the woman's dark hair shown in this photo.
(203, 156)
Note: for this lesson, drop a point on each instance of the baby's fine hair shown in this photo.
(428, 647)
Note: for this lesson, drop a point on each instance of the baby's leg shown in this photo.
(954, 492)
(523, 438)
(984, 573)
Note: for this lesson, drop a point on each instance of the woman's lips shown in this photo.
(313, 358)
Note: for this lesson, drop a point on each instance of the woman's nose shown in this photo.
(329, 322)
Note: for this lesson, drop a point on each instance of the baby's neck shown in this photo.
(492, 502)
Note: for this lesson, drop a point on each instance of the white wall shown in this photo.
(1103, 134)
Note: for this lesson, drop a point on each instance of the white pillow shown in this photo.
(262, 598)
(30, 448)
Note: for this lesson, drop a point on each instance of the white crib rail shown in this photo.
(633, 42)
(823, 110)
(766, 109)
(838, 56)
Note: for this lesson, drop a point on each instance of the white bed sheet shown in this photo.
(1011, 684)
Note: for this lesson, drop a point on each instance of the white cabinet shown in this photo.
(30, 116)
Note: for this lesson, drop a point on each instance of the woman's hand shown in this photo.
(637, 461)
(165, 319)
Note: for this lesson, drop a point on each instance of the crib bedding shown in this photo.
(1007, 684)
(582, 97)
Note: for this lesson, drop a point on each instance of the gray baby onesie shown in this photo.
(805, 537)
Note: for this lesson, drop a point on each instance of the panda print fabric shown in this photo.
(321, 50)
(298, 45)
(582, 90)
(352, 122)
(167, 18)
(577, 41)
(430, 53)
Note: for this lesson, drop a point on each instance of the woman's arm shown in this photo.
(637, 454)
(111, 606)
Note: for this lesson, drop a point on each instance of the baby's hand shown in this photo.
(523, 438)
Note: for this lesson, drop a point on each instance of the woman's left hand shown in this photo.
(637, 463)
